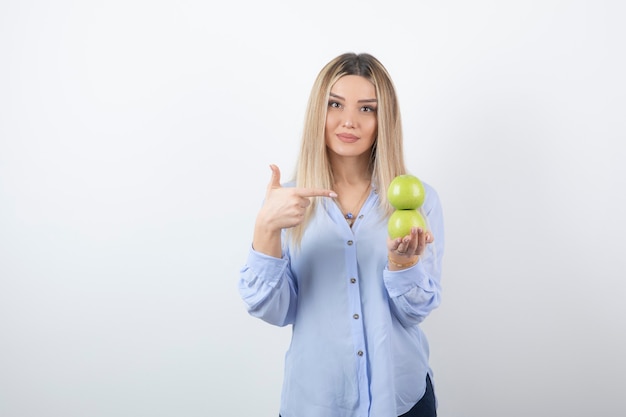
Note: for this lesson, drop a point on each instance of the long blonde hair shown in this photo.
(313, 169)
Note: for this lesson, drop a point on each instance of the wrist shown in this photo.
(267, 240)
(398, 264)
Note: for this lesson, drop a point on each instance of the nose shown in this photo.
(349, 119)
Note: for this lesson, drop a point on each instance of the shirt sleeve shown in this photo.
(268, 289)
(416, 291)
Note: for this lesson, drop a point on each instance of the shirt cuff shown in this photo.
(268, 268)
(400, 282)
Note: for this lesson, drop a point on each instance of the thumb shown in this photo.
(275, 180)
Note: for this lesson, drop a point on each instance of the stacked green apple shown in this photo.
(406, 195)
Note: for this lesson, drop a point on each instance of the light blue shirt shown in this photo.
(356, 348)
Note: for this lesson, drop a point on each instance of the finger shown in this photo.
(412, 240)
(406, 245)
(421, 242)
(275, 180)
(315, 192)
(401, 249)
(304, 202)
(429, 237)
(394, 244)
(422, 239)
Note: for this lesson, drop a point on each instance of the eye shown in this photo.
(368, 109)
(334, 104)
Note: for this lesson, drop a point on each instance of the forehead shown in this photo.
(354, 86)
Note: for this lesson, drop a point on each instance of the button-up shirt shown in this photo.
(357, 349)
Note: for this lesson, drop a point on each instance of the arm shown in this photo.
(266, 283)
(414, 291)
(267, 287)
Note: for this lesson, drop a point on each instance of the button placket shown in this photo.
(355, 300)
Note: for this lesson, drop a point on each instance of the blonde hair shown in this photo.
(313, 169)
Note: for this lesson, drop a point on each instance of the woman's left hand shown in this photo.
(410, 247)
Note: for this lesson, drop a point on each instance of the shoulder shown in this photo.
(430, 190)
(432, 196)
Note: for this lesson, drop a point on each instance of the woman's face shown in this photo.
(351, 121)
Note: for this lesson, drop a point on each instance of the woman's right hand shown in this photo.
(284, 207)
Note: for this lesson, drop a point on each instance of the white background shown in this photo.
(135, 139)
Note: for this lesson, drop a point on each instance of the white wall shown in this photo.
(135, 138)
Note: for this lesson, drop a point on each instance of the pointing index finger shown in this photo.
(316, 192)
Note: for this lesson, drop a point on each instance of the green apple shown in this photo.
(406, 192)
(401, 221)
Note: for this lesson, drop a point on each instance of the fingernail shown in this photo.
(333, 195)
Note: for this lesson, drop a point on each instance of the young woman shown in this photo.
(321, 259)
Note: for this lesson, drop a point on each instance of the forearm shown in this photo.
(267, 239)
(413, 293)
(265, 285)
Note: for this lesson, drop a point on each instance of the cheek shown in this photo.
(331, 120)
(371, 127)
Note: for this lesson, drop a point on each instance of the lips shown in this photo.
(347, 137)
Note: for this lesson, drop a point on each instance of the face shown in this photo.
(351, 122)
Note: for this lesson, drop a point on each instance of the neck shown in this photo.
(351, 171)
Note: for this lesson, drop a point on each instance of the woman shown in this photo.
(322, 262)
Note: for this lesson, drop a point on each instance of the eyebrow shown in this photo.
(367, 100)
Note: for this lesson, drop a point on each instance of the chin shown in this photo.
(340, 148)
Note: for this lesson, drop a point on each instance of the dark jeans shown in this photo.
(424, 407)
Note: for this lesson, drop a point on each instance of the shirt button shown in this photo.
(350, 243)
(352, 280)
(356, 316)
(360, 353)
(361, 216)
